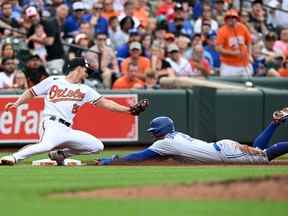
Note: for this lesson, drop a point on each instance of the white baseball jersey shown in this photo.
(185, 148)
(63, 98)
(5, 80)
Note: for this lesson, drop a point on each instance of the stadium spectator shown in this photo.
(158, 62)
(103, 59)
(218, 12)
(20, 81)
(179, 64)
(199, 64)
(179, 25)
(258, 17)
(234, 45)
(141, 11)
(143, 63)
(123, 51)
(82, 41)
(72, 23)
(151, 26)
(195, 40)
(165, 8)
(129, 11)
(97, 20)
(211, 54)
(245, 19)
(7, 51)
(52, 41)
(34, 70)
(283, 71)
(87, 28)
(51, 8)
(281, 46)
(6, 14)
(116, 35)
(151, 81)
(182, 42)
(62, 12)
(268, 51)
(207, 15)
(146, 45)
(108, 9)
(7, 76)
(130, 79)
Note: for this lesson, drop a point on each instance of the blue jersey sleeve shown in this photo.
(146, 154)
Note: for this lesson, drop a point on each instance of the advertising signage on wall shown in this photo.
(21, 125)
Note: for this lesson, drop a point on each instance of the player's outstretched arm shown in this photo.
(144, 155)
(111, 105)
(136, 109)
(21, 100)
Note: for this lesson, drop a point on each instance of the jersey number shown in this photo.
(75, 108)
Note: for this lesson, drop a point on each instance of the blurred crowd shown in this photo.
(135, 43)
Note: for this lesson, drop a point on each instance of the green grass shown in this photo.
(24, 189)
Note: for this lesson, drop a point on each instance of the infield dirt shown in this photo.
(274, 188)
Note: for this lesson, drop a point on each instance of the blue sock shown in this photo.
(277, 150)
(262, 140)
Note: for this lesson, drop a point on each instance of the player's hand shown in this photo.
(9, 106)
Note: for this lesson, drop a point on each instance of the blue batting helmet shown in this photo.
(161, 126)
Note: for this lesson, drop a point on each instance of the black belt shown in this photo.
(62, 121)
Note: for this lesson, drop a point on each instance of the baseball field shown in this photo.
(143, 190)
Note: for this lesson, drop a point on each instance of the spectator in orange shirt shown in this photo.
(108, 10)
(283, 71)
(142, 62)
(129, 80)
(233, 42)
(141, 12)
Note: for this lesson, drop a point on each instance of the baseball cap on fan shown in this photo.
(82, 62)
(78, 6)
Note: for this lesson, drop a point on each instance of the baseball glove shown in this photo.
(139, 107)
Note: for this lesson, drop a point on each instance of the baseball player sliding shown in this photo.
(63, 96)
(173, 144)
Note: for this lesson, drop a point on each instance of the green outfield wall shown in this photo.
(212, 114)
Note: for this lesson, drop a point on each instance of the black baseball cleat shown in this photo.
(280, 116)
(58, 156)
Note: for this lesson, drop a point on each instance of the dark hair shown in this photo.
(5, 3)
(112, 18)
(270, 37)
(126, 19)
(4, 60)
(5, 45)
(132, 63)
(100, 33)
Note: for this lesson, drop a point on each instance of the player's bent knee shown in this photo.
(98, 147)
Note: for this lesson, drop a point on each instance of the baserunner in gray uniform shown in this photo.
(172, 144)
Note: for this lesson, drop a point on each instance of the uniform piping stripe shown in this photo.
(33, 92)
(95, 101)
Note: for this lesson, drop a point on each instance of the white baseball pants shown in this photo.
(56, 135)
(232, 71)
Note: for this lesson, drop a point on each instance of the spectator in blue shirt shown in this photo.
(99, 23)
(210, 49)
(123, 51)
(179, 25)
(72, 23)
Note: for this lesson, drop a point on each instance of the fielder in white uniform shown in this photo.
(172, 144)
(63, 96)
